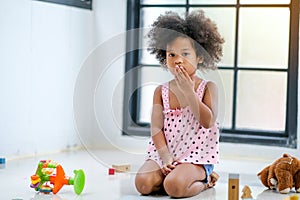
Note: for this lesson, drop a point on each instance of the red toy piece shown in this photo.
(111, 171)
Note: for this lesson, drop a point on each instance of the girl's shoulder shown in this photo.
(158, 90)
(207, 85)
(205, 82)
(210, 85)
(210, 89)
(157, 96)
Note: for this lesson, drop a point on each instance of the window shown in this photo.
(87, 4)
(257, 78)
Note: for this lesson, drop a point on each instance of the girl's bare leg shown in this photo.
(185, 180)
(149, 178)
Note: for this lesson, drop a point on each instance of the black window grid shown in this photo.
(85, 4)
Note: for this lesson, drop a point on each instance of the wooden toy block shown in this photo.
(294, 197)
(122, 167)
(233, 187)
(246, 193)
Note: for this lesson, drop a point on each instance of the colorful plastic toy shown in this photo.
(50, 177)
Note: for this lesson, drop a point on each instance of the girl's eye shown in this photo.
(171, 54)
(185, 54)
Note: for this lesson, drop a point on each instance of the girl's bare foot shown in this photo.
(212, 179)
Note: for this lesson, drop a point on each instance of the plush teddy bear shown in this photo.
(283, 174)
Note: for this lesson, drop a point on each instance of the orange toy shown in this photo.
(50, 177)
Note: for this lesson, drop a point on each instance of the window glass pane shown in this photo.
(263, 37)
(224, 81)
(225, 21)
(227, 81)
(212, 1)
(261, 100)
(159, 2)
(151, 77)
(264, 1)
(148, 16)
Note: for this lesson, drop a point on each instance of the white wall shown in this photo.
(42, 48)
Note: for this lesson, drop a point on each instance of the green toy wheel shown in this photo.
(79, 181)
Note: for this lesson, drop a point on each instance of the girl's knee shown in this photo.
(174, 187)
(143, 189)
(141, 184)
(144, 184)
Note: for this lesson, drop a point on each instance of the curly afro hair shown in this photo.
(201, 30)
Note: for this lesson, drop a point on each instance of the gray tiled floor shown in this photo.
(15, 178)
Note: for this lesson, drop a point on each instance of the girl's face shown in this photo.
(181, 53)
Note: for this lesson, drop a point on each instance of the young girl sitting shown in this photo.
(184, 143)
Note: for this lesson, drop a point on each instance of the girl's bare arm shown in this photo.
(157, 125)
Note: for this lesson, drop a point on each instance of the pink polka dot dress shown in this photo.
(186, 139)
